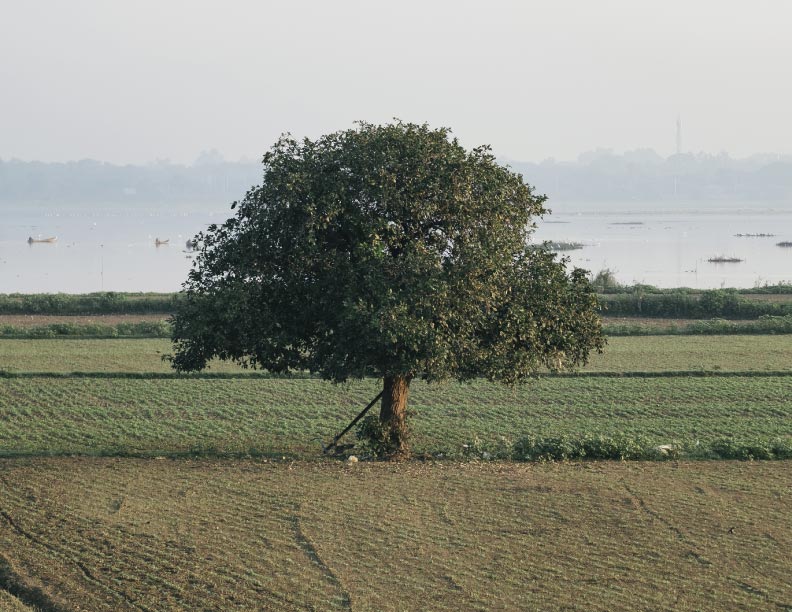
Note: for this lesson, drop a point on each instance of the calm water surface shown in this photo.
(110, 249)
(98, 249)
(668, 246)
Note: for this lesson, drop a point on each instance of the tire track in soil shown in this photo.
(310, 551)
(701, 559)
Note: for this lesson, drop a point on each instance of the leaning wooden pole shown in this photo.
(352, 424)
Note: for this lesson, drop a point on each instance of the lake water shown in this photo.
(98, 249)
(109, 249)
(670, 245)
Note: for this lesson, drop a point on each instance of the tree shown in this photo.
(385, 251)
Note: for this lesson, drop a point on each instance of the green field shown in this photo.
(695, 393)
(272, 416)
(627, 354)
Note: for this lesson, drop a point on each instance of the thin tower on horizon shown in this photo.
(679, 135)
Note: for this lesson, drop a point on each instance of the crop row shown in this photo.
(239, 416)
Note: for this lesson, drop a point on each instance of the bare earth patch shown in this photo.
(123, 534)
(769, 297)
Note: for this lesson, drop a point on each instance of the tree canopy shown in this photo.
(385, 251)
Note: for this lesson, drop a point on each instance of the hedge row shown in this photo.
(87, 303)
(143, 329)
(722, 303)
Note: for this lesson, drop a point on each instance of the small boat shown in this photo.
(158, 242)
(31, 240)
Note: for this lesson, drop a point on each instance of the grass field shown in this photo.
(627, 354)
(117, 535)
(137, 326)
(115, 413)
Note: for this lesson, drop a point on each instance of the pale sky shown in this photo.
(133, 81)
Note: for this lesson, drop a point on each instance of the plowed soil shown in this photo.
(116, 535)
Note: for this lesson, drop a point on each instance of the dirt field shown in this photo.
(112, 534)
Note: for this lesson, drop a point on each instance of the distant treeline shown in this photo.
(643, 175)
(640, 175)
(635, 301)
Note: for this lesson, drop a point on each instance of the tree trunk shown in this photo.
(393, 413)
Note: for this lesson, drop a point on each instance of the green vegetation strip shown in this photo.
(731, 353)
(764, 325)
(162, 329)
(143, 329)
(722, 303)
(87, 303)
(637, 300)
(549, 418)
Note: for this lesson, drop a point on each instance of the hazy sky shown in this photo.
(132, 81)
